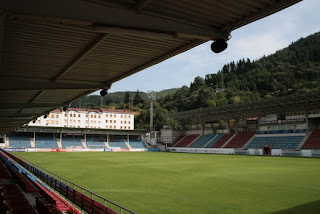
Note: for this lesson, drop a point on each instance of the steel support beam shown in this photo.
(18, 105)
(92, 12)
(37, 83)
(83, 54)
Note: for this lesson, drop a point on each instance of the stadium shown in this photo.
(249, 157)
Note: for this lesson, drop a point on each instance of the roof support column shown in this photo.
(211, 124)
(236, 126)
(228, 128)
(203, 127)
(307, 121)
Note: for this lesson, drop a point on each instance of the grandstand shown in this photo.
(203, 140)
(118, 142)
(275, 142)
(213, 141)
(96, 141)
(19, 140)
(282, 139)
(186, 140)
(71, 141)
(223, 140)
(313, 142)
(240, 140)
(46, 141)
(136, 143)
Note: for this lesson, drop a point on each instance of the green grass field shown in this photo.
(192, 183)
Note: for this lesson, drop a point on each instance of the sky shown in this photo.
(252, 41)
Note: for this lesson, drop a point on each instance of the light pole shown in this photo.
(152, 98)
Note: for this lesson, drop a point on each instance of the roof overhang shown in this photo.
(287, 104)
(54, 52)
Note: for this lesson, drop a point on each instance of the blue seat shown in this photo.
(301, 131)
(218, 137)
(95, 141)
(200, 142)
(71, 141)
(120, 144)
(137, 144)
(46, 141)
(20, 141)
(278, 142)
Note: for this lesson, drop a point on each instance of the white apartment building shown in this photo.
(88, 118)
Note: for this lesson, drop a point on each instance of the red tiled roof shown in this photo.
(95, 110)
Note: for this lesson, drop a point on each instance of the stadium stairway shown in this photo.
(178, 140)
(304, 140)
(6, 142)
(202, 140)
(127, 143)
(145, 143)
(223, 140)
(249, 141)
(59, 143)
(188, 140)
(213, 141)
(239, 140)
(84, 144)
(32, 142)
(313, 141)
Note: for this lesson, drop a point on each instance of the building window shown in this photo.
(114, 121)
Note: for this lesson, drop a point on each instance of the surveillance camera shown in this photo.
(219, 45)
(103, 92)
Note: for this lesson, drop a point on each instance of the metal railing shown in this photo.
(71, 191)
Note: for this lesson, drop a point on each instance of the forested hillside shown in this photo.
(294, 69)
(291, 70)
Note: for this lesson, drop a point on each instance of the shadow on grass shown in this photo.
(309, 208)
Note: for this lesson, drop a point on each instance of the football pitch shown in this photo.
(157, 182)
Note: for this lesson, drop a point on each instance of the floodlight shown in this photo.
(219, 45)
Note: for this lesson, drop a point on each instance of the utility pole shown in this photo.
(130, 103)
(152, 98)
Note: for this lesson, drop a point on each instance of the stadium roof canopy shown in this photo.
(287, 104)
(53, 52)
